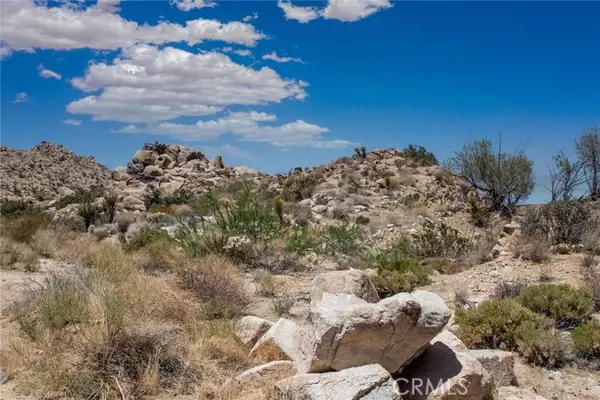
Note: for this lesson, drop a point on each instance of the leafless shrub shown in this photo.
(507, 290)
(283, 304)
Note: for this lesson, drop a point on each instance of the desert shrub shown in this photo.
(461, 299)
(346, 238)
(440, 241)
(23, 227)
(532, 249)
(558, 222)
(497, 324)
(199, 239)
(215, 281)
(144, 237)
(159, 255)
(60, 302)
(563, 303)
(402, 276)
(480, 252)
(586, 340)
(14, 255)
(302, 242)
(543, 347)
(363, 220)
(508, 290)
(300, 214)
(420, 155)
(591, 276)
(151, 197)
(110, 206)
(12, 208)
(360, 153)
(480, 214)
(298, 187)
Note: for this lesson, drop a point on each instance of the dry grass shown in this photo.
(109, 329)
(532, 249)
(15, 255)
(266, 285)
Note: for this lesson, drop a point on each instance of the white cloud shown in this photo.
(21, 98)
(249, 18)
(148, 84)
(108, 5)
(74, 122)
(27, 25)
(353, 10)
(300, 14)
(188, 5)
(274, 57)
(342, 10)
(245, 126)
(47, 74)
(243, 53)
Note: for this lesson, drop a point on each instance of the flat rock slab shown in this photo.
(284, 340)
(250, 329)
(369, 382)
(500, 364)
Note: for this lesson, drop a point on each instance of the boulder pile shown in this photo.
(354, 346)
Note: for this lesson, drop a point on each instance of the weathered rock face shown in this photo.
(500, 364)
(285, 340)
(348, 331)
(515, 393)
(250, 328)
(351, 281)
(369, 382)
(446, 371)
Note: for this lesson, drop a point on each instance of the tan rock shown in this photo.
(368, 382)
(515, 393)
(284, 340)
(274, 369)
(445, 371)
(250, 328)
(500, 364)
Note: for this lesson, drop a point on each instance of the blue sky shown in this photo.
(104, 78)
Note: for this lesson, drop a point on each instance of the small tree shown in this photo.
(588, 150)
(360, 153)
(505, 179)
(420, 154)
(565, 177)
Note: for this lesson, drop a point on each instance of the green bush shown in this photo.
(298, 187)
(12, 208)
(21, 228)
(497, 324)
(420, 155)
(440, 241)
(403, 275)
(563, 303)
(89, 212)
(586, 340)
(346, 238)
(200, 240)
(302, 242)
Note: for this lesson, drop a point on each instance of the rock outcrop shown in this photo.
(351, 281)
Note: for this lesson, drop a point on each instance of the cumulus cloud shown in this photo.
(188, 5)
(243, 52)
(245, 126)
(300, 14)
(148, 84)
(48, 74)
(353, 10)
(21, 98)
(27, 25)
(274, 57)
(108, 5)
(73, 122)
(342, 10)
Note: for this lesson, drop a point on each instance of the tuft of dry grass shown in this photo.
(15, 255)
(532, 249)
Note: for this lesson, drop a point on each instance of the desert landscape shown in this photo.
(381, 275)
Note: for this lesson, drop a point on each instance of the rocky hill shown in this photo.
(44, 171)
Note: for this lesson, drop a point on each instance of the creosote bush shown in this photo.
(566, 305)
(586, 340)
(558, 222)
(498, 324)
(298, 187)
(420, 155)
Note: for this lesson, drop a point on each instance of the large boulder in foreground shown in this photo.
(446, 371)
(500, 364)
(368, 382)
(349, 332)
(351, 281)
